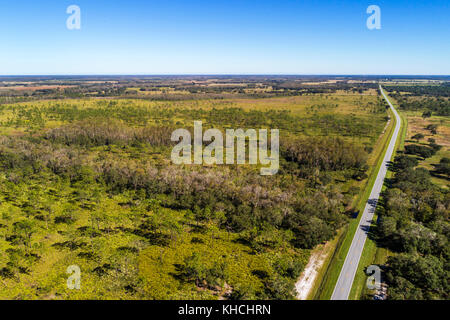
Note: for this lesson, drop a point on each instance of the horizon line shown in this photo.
(224, 74)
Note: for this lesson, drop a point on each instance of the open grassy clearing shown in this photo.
(418, 125)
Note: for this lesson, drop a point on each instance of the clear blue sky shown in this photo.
(224, 37)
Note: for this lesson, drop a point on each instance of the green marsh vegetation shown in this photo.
(89, 182)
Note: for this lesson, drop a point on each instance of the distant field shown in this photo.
(32, 88)
(417, 124)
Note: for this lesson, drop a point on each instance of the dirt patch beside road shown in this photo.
(308, 277)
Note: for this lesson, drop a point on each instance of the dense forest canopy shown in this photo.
(415, 224)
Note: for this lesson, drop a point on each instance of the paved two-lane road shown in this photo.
(345, 280)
